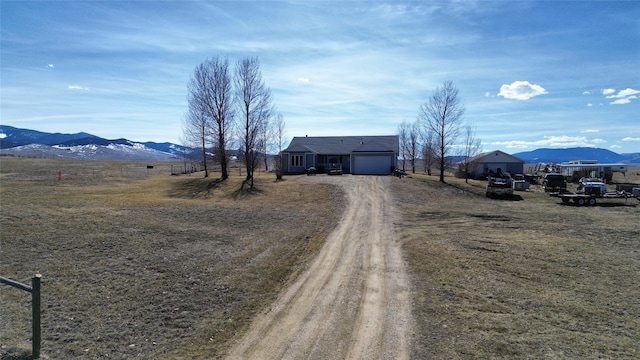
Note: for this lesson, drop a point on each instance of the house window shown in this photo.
(296, 160)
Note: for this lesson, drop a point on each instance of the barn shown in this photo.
(482, 163)
(358, 155)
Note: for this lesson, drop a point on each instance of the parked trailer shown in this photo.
(593, 191)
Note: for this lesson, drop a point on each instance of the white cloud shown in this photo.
(622, 97)
(304, 80)
(587, 131)
(589, 105)
(621, 101)
(50, 66)
(586, 93)
(631, 139)
(77, 87)
(615, 147)
(551, 141)
(521, 90)
(626, 93)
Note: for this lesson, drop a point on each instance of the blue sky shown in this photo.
(530, 74)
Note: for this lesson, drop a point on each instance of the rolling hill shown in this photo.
(25, 142)
(79, 146)
(603, 156)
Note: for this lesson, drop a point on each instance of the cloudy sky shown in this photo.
(530, 74)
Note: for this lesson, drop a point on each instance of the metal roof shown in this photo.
(338, 145)
(485, 155)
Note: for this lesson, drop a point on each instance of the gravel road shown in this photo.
(353, 301)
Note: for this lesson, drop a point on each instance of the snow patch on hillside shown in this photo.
(91, 152)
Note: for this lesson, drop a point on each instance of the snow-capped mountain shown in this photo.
(25, 142)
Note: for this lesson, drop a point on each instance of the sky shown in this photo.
(539, 74)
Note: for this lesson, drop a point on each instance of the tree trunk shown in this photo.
(222, 154)
(442, 160)
(204, 159)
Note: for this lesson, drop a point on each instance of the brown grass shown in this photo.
(530, 278)
(137, 263)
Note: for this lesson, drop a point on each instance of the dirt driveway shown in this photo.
(353, 302)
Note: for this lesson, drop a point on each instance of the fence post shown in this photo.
(35, 310)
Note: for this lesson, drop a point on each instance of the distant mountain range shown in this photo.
(603, 156)
(31, 143)
(83, 146)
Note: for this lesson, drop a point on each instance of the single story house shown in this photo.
(482, 163)
(360, 155)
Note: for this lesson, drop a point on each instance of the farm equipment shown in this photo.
(499, 184)
(589, 191)
(520, 183)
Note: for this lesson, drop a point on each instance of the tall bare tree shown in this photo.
(470, 148)
(409, 136)
(428, 151)
(442, 114)
(264, 152)
(279, 132)
(413, 144)
(255, 111)
(211, 96)
(403, 136)
(196, 131)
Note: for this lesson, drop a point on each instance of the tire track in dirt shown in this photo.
(353, 302)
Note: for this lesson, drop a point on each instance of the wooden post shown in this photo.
(35, 311)
(34, 289)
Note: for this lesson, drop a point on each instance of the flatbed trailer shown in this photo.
(590, 199)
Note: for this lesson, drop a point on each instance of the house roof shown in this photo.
(337, 145)
(490, 156)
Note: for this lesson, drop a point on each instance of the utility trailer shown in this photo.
(595, 190)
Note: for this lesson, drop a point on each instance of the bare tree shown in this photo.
(279, 133)
(403, 136)
(413, 144)
(255, 111)
(264, 152)
(211, 96)
(428, 152)
(442, 114)
(470, 148)
(196, 131)
(409, 136)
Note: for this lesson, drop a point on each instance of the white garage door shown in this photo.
(372, 164)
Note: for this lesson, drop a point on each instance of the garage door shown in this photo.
(372, 164)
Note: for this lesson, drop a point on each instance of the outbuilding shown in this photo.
(358, 155)
(486, 162)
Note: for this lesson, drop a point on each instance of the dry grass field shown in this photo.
(137, 263)
(524, 278)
